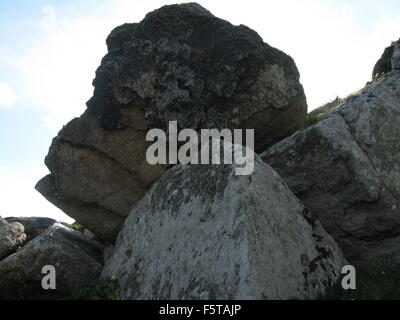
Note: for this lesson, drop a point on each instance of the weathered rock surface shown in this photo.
(396, 57)
(386, 63)
(346, 170)
(12, 235)
(34, 226)
(180, 63)
(77, 261)
(203, 233)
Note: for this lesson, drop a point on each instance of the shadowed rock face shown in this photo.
(201, 232)
(346, 170)
(179, 63)
(390, 60)
(77, 261)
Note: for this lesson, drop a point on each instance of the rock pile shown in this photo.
(319, 197)
(182, 64)
(77, 260)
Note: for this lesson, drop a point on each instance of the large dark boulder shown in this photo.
(179, 63)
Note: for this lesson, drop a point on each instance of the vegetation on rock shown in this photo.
(101, 289)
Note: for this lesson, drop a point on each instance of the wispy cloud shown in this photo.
(7, 96)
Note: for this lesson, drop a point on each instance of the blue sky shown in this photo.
(49, 51)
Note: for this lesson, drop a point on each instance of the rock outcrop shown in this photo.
(180, 63)
(386, 63)
(77, 261)
(201, 232)
(12, 236)
(346, 170)
(34, 226)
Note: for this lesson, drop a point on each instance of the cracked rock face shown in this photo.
(12, 236)
(203, 233)
(77, 261)
(346, 170)
(179, 64)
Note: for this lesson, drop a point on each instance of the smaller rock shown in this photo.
(12, 235)
(396, 57)
(77, 261)
(34, 226)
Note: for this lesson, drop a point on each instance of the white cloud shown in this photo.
(49, 19)
(18, 195)
(7, 96)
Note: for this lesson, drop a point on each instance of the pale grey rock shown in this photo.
(346, 170)
(107, 253)
(12, 236)
(76, 258)
(201, 232)
(182, 64)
